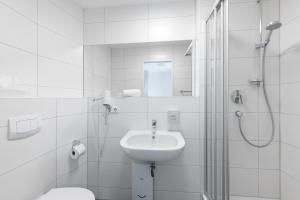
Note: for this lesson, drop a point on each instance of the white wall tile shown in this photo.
(117, 61)
(289, 9)
(289, 129)
(242, 155)
(48, 92)
(25, 7)
(46, 108)
(123, 122)
(70, 128)
(132, 32)
(126, 13)
(118, 75)
(265, 126)
(19, 64)
(290, 160)
(290, 187)
(92, 174)
(177, 178)
(112, 151)
(243, 69)
(93, 149)
(183, 104)
(189, 123)
(244, 16)
(39, 173)
(289, 35)
(114, 193)
(59, 21)
(171, 9)
(16, 153)
(65, 164)
(70, 7)
(249, 176)
(57, 47)
(290, 101)
(131, 105)
(269, 184)
(171, 29)
(19, 31)
(95, 15)
(166, 195)
(71, 106)
(76, 178)
(53, 73)
(241, 43)
(269, 156)
(115, 175)
(289, 67)
(94, 33)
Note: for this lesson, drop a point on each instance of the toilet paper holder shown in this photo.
(75, 143)
(77, 150)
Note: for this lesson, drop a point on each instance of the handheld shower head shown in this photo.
(273, 25)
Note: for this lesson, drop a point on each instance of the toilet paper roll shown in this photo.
(77, 151)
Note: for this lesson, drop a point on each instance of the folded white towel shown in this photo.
(132, 93)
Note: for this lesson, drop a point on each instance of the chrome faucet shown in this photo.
(154, 123)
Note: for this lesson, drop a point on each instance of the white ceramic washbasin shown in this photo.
(140, 146)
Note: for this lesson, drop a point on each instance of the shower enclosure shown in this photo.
(216, 150)
(242, 101)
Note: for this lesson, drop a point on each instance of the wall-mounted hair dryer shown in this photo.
(107, 100)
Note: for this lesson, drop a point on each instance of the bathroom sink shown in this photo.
(140, 146)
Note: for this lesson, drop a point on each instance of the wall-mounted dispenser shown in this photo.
(173, 120)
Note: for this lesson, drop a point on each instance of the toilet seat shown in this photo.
(68, 194)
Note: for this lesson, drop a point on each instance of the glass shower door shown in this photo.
(216, 179)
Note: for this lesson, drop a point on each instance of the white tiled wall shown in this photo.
(31, 166)
(290, 113)
(128, 62)
(257, 168)
(140, 23)
(97, 70)
(42, 43)
(110, 173)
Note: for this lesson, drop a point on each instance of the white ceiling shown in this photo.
(112, 3)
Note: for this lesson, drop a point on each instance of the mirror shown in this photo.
(156, 69)
(158, 78)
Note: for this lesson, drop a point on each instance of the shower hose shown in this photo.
(239, 114)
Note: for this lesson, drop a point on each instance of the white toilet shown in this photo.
(68, 194)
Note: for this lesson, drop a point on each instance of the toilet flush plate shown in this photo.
(23, 126)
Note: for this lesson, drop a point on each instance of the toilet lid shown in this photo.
(68, 194)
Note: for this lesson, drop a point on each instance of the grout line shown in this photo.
(17, 12)
(37, 50)
(139, 19)
(66, 11)
(289, 175)
(70, 39)
(27, 162)
(56, 144)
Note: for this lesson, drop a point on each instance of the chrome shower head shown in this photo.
(273, 25)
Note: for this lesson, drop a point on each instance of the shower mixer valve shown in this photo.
(237, 97)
